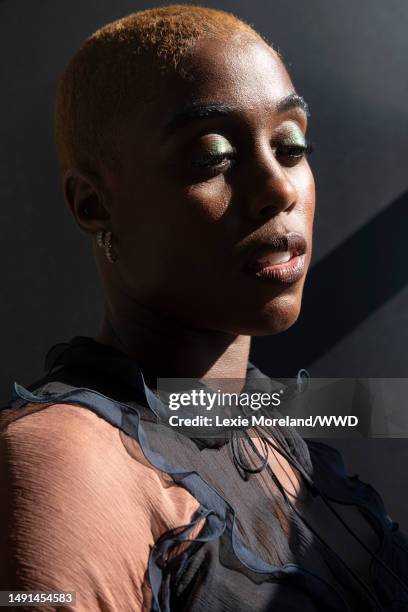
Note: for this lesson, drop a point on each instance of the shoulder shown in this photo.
(61, 448)
(81, 513)
(72, 449)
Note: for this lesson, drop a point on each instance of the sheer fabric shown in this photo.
(250, 545)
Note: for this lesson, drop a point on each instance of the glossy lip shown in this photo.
(286, 273)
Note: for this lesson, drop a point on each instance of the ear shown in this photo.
(86, 201)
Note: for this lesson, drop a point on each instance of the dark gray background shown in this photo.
(348, 59)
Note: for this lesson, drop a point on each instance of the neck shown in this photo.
(169, 349)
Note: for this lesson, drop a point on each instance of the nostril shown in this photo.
(267, 212)
(270, 210)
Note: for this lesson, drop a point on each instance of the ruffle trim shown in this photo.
(219, 516)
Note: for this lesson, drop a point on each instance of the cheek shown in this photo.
(165, 238)
(307, 196)
(208, 200)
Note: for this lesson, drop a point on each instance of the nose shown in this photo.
(271, 188)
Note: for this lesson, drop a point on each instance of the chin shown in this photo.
(275, 317)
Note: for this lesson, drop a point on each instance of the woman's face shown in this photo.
(215, 192)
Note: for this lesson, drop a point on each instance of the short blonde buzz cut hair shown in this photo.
(111, 72)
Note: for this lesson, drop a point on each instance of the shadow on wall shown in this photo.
(343, 289)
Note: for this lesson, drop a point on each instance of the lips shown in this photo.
(280, 258)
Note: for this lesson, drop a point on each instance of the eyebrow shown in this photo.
(292, 101)
(196, 111)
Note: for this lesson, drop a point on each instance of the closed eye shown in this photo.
(291, 154)
(213, 159)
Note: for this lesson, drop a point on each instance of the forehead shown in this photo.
(241, 70)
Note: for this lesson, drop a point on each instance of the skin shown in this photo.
(177, 298)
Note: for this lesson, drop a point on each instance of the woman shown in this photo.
(182, 147)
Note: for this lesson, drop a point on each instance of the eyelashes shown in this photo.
(288, 154)
(294, 153)
(213, 159)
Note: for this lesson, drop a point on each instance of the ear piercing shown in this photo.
(104, 241)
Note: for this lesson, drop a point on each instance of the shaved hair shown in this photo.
(116, 70)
